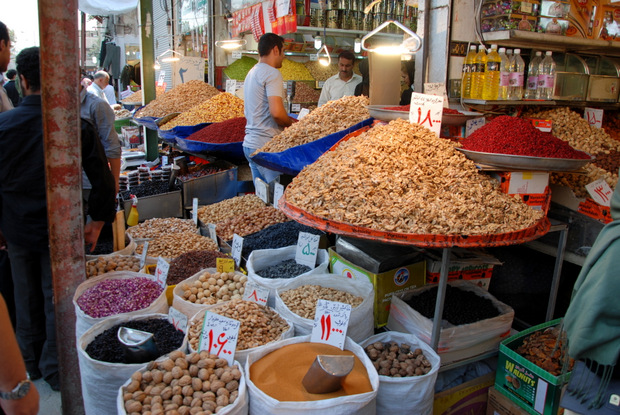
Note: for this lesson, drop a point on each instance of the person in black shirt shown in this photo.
(11, 88)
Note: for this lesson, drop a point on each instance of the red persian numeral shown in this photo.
(328, 321)
(254, 295)
(322, 326)
(210, 339)
(221, 343)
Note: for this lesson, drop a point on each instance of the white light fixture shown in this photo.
(357, 45)
(324, 60)
(171, 58)
(318, 42)
(408, 46)
(157, 66)
(230, 44)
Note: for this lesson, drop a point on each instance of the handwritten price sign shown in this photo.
(307, 249)
(600, 191)
(426, 110)
(237, 247)
(278, 191)
(594, 116)
(145, 250)
(161, 273)
(177, 319)
(256, 293)
(219, 336)
(330, 323)
(225, 264)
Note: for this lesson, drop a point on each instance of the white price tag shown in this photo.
(212, 233)
(438, 89)
(330, 323)
(295, 107)
(256, 293)
(313, 57)
(278, 191)
(177, 319)
(195, 210)
(321, 84)
(303, 113)
(600, 191)
(161, 272)
(237, 247)
(219, 336)
(282, 7)
(162, 78)
(426, 110)
(593, 116)
(145, 250)
(307, 249)
(231, 86)
(262, 190)
(473, 124)
(164, 160)
(236, 54)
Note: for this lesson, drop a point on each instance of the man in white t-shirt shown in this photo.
(101, 79)
(344, 82)
(264, 105)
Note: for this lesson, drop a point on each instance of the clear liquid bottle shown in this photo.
(546, 77)
(490, 90)
(532, 77)
(477, 78)
(517, 75)
(468, 70)
(504, 74)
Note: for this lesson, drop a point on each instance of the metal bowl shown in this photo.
(380, 113)
(510, 161)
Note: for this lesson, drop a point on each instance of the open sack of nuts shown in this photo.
(273, 268)
(103, 364)
(296, 302)
(129, 249)
(205, 288)
(116, 293)
(111, 263)
(182, 383)
(412, 366)
(260, 325)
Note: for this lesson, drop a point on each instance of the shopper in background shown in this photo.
(110, 95)
(264, 105)
(5, 58)
(13, 376)
(100, 81)
(23, 216)
(344, 82)
(11, 88)
(407, 69)
(363, 88)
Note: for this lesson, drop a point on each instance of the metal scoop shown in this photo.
(327, 372)
(138, 345)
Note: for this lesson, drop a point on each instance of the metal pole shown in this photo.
(211, 41)
(83, 41)
(60, 97)
(557, 270)
(441, 296)
(147, 70)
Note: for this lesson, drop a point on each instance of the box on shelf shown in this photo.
(499, 404)
(469, 398)
(609, 16)
(554, 8)
(532, 187)
(475, 266)
(498, 7)
(164, 205)
(557, 26)
(565, 196)
(529, 386)
(400, 278)
(510, 22)
(211, 188)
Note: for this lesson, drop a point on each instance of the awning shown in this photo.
(107, 7)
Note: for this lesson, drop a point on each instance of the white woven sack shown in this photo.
(419, 390)
(361, 321)
(240, 355)
(405, 319)
(360, 404)
(129, 249)
(239, 407)
(83, 321)
(264, 258)
(186, 307)
(101, 380)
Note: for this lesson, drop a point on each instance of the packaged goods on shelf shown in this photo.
(178, 99)
(554, 8)
(509, 22)
(500, 7)
(219, 108)
(239, 69)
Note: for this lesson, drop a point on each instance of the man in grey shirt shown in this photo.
(264, 106)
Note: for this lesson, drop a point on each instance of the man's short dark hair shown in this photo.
(347, 54)
(267, 42)
(4, 33)
(28, 66)
(11, 74)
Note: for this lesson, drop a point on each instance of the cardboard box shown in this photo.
(553, 8)
(564, 196)
(469, 398)
(465, 264)
(529, 386)
(398, 280)
(532, 187)
(499, 404)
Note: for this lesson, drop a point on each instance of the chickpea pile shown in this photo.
(397, 361)
(103, 265)
(259, 324)
(214, 288)
(302, 300)
(197, 383)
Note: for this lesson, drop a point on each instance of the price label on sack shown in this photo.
(330, 323)
(262, 190)
(256, 293)
(161, 272)
(212, 232)
(237, 247)
(177, 319)
(426, 110)
(296, 107)
(195, 210)
(600, 191)
(473, 124)
(162, 78)
(219, 336)
(303, 113)
(313, 57)
(225, 264)
(237, 54)
(307, 249)
(145, 250)
(594, 116)
(231, 86)
(278, 191)
(438, 89)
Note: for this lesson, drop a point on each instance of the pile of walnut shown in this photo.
(401, 177)
(397, 361)
(183, 384)
(545, 350)
(178, 99)
(214, 288)
(330, 118)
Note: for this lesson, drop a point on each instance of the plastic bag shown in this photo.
(83, 321)
(361, 404)
(263, 258)
(101, 380)
(411, 394)
(361, 321)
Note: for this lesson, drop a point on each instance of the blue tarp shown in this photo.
(293, 160)
(148, 122)
(232, 150)
(181, 131)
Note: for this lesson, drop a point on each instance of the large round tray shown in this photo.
(380, 113)
(510, 161)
